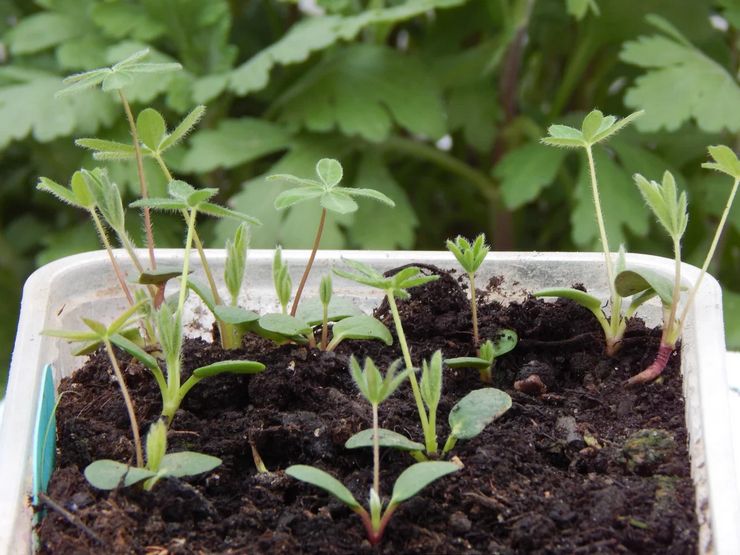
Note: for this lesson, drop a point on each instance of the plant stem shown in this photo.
(474, 311)
(142, 177)
(113, 261)
(656, 368)
(127, 401)
(710, 254)
(428, 441)
(325, 328)
(186, 262)
(376, 451)
(304, 277)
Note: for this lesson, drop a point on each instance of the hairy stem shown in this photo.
(142, 177)
(304, 277)
(186, 261)
(113, 261)
(376, 451)
(429, 441)
(127, 400)
(710, 255)
(474, 311)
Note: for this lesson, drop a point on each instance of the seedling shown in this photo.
(396, 286)
(470, 256)
(376, 389)
(467, 419)
(487, 355)
(281, 280)
(331, 197)
(670, 209)
(109, 336)
(107, 474)
(116, 78)
(595, 128)
(325, 292)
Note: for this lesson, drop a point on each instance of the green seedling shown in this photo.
(470, 256)
(325, 293)
(376, 389)
(331, 196)
(396, 286)
(487, 355)
(169, 334)
(281, 280)
(109, 336)
(670, 209)
(116, 78)
(107, 474)
(595, 128)
(467, 419)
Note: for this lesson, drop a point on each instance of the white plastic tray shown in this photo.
(58, 294)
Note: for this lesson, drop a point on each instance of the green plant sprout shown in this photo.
(470, 256)
(671, 211)
(487, 354)
(107, 474)
(109, 336)
(376, 389)
(281, 280)
(595, 128)
(116, 78)
(325, 293)
(170, 336)
(331, 197)
(396, 286)
(467, 419)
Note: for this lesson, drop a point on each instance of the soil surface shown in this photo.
(579, 464)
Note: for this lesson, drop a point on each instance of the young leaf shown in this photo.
(470, 256)
(156, 445)
(311, 310)
(477, 363)
(184, 127)
(632, 282)
(417, 477)
(329, 171)
(387, 438)
(476, 410)
(236, 261)
(229, 367)
(505, 342)
(108, 150)
(582, 298)
(159, 276)
(135, 351)
(669, 208)
(431, 381)
(360, 327)
(325, 481)
(373, 386)
(325, 291)
(187, 463)
(234, 315)
(284, 324)
(725, 161)
(151, 128)
(107, 474)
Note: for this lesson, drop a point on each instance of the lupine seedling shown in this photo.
(470, 256)
(396, 286)
(487, 354)
(116, 78)
(107, 474)
(467, 419)
(331, 196)
(595, 128)
(670, 209)
(325, 292)
(376, 389)
(109, 336)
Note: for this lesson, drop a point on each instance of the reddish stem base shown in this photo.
(656, 368)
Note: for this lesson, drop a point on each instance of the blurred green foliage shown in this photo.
(437, 103)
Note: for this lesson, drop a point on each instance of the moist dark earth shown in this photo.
(584, 466)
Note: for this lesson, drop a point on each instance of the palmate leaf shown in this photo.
(317, 33)
(669, 207)
(681, 83)
(363, 90)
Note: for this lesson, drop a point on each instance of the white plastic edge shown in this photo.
(706, 392)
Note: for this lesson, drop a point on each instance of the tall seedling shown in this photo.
(331, 196)
(595, 128)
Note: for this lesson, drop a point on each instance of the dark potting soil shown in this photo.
(584, 466)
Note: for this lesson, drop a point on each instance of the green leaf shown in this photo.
(360, 327)
(477, 410)
(284, 324)
(669, 208)
(160, 204)
(377, 225)
(579, 8)
(681, 83)
(526, 171)
(325, 481)
(329, 171)
(294, 196)
(339, 202)
(59, 191)
(468, 362)
(504, 342)
(135, 351)
(220, 212)
(236, 261)
(311, 310)
(183, 128)
(431, 381)
(417, 477)
(235, 315)
(151, 128)
(387, 438)
(205, 294)
(725, 161)
(108, 150)
(229, 367)
(156, 445)
(363, 90)
(234, 142)
(40, 31)
(116, 81)
(159, 276)
(107, 474)
(582, 298)
(634, 281)
(187, 463)
(591, 125)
